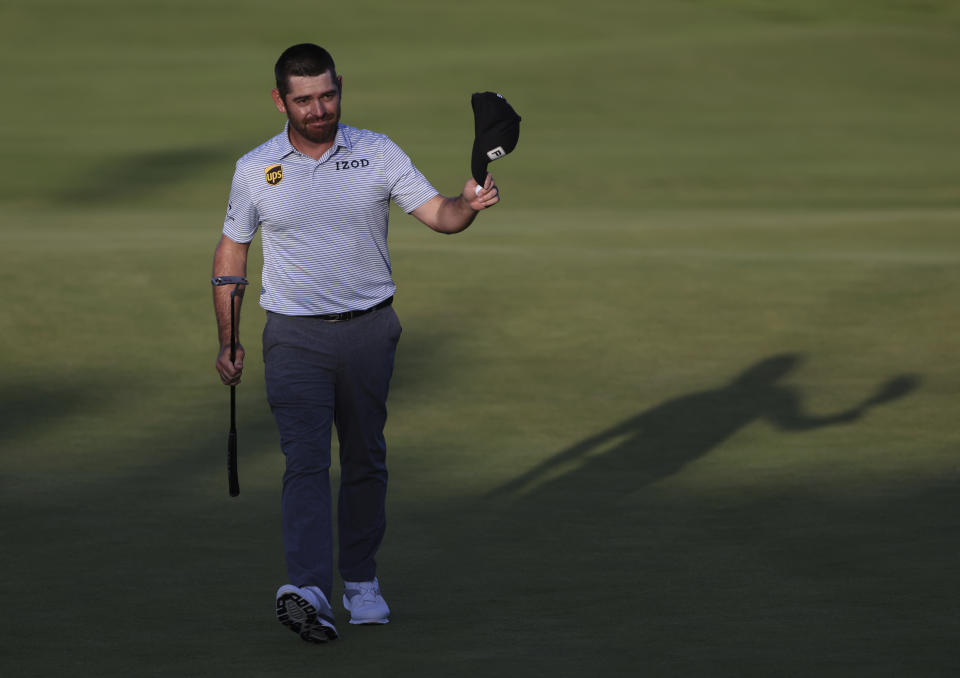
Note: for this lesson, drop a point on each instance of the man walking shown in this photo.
(319, 192)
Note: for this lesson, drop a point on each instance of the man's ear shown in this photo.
(278, 100)
(340, 84)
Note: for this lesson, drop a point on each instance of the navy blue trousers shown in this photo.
(321, 374)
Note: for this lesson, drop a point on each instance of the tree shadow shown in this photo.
(659, 442)
(35, 405)
(140, 174)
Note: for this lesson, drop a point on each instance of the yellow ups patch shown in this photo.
(274, 174)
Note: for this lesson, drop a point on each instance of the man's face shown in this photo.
(312, 105)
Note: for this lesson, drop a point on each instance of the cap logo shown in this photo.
(274, 174)
(495, 153)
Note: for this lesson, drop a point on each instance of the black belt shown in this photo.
(350, 315)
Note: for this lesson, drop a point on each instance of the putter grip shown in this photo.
(233, 478)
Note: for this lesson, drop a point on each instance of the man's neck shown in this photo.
(308, 148)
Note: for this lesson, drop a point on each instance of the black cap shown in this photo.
(497, 131)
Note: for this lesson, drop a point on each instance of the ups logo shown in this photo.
(274, 174)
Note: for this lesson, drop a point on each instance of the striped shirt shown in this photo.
(323, 222)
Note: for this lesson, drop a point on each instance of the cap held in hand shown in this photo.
(497, 129)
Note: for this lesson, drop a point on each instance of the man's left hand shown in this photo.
(487, 196)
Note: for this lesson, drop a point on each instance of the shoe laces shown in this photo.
(368, 592)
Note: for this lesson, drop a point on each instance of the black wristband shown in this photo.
(219, 280)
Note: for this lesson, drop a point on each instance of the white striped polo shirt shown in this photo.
(323, 222)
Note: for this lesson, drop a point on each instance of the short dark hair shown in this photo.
(305, 59)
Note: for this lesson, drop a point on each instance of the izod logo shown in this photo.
(274, 174)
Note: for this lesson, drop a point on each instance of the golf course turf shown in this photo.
(681, 405)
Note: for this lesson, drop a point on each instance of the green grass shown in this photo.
(631, 429)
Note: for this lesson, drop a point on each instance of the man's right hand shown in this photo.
(230, 372)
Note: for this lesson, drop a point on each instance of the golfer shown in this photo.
(319, 192)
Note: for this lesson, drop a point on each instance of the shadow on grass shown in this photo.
(661, 441)
(589, 570)
(139, 175)
(36, 405)
(586, 562)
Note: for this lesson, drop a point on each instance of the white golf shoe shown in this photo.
(363, 601)
(306, 612)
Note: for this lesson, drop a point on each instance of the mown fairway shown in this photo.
(683, 404)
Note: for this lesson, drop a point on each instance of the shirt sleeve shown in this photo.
(241, 221)
(408, 187)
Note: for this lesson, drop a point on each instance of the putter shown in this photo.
(233, 477)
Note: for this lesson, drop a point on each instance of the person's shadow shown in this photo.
(660, 441)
